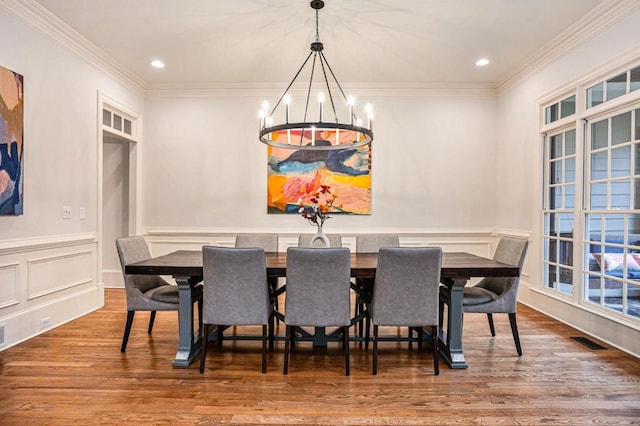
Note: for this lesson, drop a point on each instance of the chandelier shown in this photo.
(318, 135)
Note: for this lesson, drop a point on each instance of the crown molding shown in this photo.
(597, 20)
(160, 91)
(33, 14)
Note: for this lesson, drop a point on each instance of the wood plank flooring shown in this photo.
(76, 374)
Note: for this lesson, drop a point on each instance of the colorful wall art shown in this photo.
(295, 174)
(11, 148)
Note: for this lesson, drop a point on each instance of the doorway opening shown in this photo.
(119, 189)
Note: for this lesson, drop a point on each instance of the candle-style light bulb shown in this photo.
(359, 124)
(351, 101)
(262, 116)
(269, 122)
(287, 101)
(313, 136)
(369, 110)
(320, 101)
(265, 113)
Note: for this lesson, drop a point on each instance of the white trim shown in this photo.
(35, 15)
(42, 243)
(587, 307)
(597, 20)
(407, 232)
(212, 90)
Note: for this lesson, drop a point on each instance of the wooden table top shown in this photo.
(363, 265)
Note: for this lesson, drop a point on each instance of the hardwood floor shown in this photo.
(76, 374)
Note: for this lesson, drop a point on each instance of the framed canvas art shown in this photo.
(295, 175)
(11, 142)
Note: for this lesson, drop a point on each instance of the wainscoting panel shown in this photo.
(45, 282)
(54, 273)
(480, 242)
(9, 285)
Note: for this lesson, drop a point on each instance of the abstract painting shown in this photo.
(11, 149)
(295, 174)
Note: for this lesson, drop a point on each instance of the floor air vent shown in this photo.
(589, 343)
(2, 335)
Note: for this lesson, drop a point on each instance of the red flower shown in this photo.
(322, 200)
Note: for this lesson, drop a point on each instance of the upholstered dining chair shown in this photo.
(369, 243)
(495, 294)
(304, 240)
(267, 242)
(406, 293)
(147, 292)
(235, 293)
(317, 293)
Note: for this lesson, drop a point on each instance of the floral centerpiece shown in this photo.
(322, 203)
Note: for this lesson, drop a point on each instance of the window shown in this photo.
(614, 87)
(562, 109)
(560, 202)
(612, 216)
(116, 123)
(591, 196)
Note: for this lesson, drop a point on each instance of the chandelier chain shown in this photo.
(317, 28)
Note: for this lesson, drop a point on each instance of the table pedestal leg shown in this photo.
(188, 343)
(451, 345)
(320, 337)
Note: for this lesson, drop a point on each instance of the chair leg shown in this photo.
(285, 368)
(200, 313)
(434, 342)
(264, 348)
(345, 333)
(152, 319)
(441, 314)
(375, 350)
(272, 318)
(203, 350)
(410, 338)
(514, 330)
(420, 337)
(220, 335)
(367, 333)
(491, 327)
(127, 330)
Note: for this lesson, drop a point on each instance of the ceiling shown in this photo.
(369, 41)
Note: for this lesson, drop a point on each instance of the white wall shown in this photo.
(518, 175)
(48, 266)
(433, 165)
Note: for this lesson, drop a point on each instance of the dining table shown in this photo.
(457, 268)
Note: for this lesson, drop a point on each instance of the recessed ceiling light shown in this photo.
(156, 63)
(482, 62)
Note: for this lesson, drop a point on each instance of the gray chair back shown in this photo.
(135, 249)
(318, 287)
(235, 286)
(304, 240)
(406, 286)
(267, 242)
(371, 243)
(511, 251)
